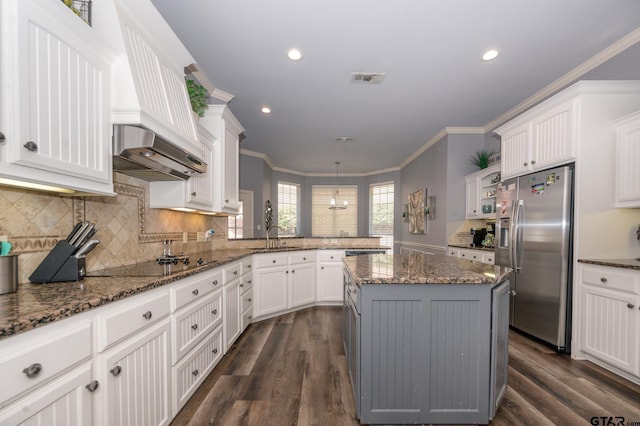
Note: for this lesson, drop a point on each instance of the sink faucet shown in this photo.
(274, 244)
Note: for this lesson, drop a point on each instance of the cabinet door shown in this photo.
(231, 312)
(553, 138)
(627, 160)
(270, 289)
(65, 401)
(610, 327)
(135, 380)
(302, 284)
(201, 187)
(231, 154)
(472, 197)
(500, 298)
(329, 286)
(58, 90)
(516, 151)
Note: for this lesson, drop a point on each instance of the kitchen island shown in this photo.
(425, 338)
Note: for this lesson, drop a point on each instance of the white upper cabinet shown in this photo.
(481, 193)
(55, 77)
(539, 139)
(194, 193)
(627, 191)
(224, 168)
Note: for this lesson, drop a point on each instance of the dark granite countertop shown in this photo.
(616, 263)
(422, 269)
(34, 305)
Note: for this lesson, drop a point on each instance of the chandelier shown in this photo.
(335, 203)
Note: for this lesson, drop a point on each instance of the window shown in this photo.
(235, 225)
(288, 200)
(334, 223)
(381, 205)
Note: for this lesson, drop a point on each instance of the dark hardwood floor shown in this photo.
(291, 370)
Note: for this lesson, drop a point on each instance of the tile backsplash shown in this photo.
(128, 229)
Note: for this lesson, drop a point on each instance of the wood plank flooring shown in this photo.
(291, 370)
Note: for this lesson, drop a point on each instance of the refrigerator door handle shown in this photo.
(516, 246)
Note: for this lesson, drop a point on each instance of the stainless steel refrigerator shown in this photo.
(534, 237)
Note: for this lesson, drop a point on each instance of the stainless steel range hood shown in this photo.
(140, 153)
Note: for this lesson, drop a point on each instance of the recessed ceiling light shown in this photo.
(490, 54)
(294, 54)
(266, 110)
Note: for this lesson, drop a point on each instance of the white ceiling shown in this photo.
(429, 50)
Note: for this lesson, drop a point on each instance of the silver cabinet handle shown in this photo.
(241, 284)
(226, 201)
(293, 271)
(193, 194)
(235, 272)
(195, 292)
(195, 372)
(332, 257)
(147, 315)
(525, 164)
(273, 261)
(630, 305)
(249, 266)
(533, 162)
(93, 386)
(194, 326)
(33, 370)
(603, 280)
(322, 267)
(116, 370)
(249, 281)
(249, 299)
(31, 146)
(214, 282)
(214, 312)
(304, 258)
(215, 350)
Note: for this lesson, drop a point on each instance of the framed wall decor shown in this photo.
(416, 212)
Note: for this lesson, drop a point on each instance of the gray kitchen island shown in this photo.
(425, 338)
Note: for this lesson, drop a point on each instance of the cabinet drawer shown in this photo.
(612, 278)
(330, 255)
(304, 257)
(275, 259)
(232, 272)
(247, 265)
(31, 360)
(133, 315)
(246, 283)
(474, 255)
(489, 258)
(453, 252)
(194, 288)
(246, 301)
(189, 373)
(247, 316)
(190, 326)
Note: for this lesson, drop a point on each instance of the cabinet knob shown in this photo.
(293, 272)
(241, 284)
(249, 300)
(214, 282)
(33, 370)
(630, 305)
(249, 266)
(226, 201)
(533, 162)
(215, 350)
(214, 312)
(193, 194)
(304, 258)
(195, 372)
(273, 261)
(194, 327)
(512, 292)
(31, 146)
(287, 272)
(116, 370)
(603, 280)
(332, 257)
(235, 272)
(93, 386)
(2, 138)
(195, 292)
(147, 315)
(322, 267)
(525, 164)
(249, 281)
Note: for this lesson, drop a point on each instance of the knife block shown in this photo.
(60, 265)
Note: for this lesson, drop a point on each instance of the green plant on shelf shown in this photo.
(198, 96)
(481, 158)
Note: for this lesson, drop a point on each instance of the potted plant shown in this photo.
(198, 96)
(481, 158)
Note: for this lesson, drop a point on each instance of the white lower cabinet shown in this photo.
(330, 269)
(134, 380)
(301, 279)
(270, 287)
(232, 311)
(483, 256)
(246, 294)
(189, 373)
(610, 316)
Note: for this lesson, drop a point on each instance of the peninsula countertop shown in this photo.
(422, 269)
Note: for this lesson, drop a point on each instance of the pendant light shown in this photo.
(335, 201)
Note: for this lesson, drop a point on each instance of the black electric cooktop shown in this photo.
(156, 268)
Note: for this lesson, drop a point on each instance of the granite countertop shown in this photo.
(34, 305)
(422, 269)
(616, 263)
(472, 247)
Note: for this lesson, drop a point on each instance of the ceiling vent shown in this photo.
(345, 139)
(367, 77)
